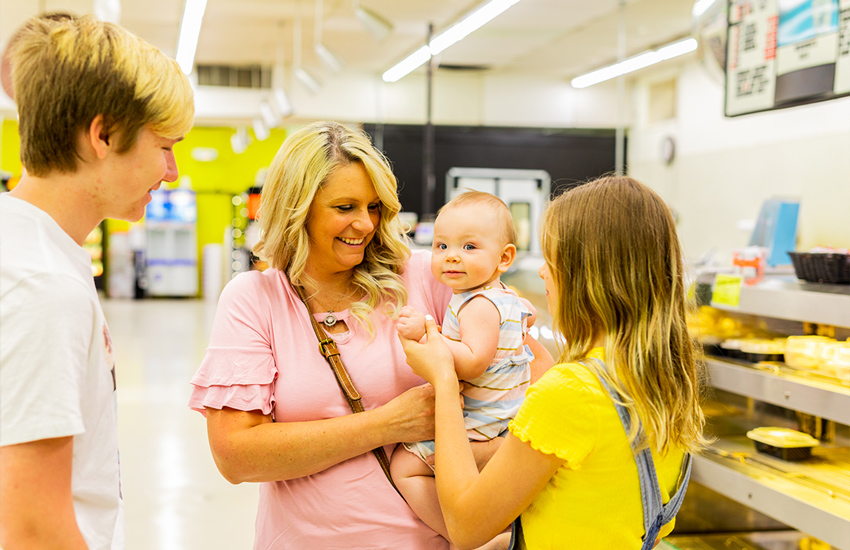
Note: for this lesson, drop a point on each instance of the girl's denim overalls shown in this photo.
(655, 514)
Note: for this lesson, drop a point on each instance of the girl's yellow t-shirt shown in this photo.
(593, 500)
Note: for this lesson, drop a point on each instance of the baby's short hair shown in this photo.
(503, 213)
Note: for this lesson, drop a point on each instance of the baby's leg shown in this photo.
(415, 482)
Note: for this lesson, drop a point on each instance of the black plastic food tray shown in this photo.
(785, 453)
(822, 267)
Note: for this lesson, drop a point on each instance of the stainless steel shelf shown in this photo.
(786, 496)
(783, 387)
(794, 300)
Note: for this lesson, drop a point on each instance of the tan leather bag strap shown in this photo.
(328, 349)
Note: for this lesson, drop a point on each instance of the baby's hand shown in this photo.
(411, 323)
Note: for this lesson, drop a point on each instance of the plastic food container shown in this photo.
(732, 349)
(835, 360)
(756, 350)
(783, 443)
(804, 352)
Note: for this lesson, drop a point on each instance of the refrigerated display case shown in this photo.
(811, 496)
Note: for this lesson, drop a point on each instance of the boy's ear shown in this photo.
(98, 137)
(508, 257)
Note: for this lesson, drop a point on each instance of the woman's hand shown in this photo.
(410, 416)
(430, 359)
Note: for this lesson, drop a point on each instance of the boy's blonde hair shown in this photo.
(303, 164)
(67, 72)
(489, 200)
(613, 254)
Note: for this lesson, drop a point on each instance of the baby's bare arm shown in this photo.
(411, 323)
(479, 338)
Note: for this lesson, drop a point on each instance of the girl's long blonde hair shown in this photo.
(302, 165)
(612, 251)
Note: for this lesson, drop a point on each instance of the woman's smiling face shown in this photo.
(342, 220)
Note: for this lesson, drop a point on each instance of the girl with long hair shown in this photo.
(599, 454)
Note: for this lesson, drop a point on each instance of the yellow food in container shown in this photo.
(783, 443)
(760, 349)
(804, 352)
(835, 359)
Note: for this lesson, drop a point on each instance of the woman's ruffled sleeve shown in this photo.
(559, 416)
(238, 369)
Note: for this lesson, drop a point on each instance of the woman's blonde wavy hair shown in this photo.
(613, 254)
(302, 165)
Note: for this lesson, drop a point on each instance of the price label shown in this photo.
(727, 290)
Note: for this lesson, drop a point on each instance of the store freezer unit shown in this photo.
(171, 251)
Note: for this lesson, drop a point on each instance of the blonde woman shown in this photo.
(275, 413)
(577, 466)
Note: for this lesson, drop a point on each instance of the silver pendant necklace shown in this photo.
(330, 319)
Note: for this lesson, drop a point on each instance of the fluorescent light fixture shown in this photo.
(701, 6)
(376, 25)
(190, 29)
(460, 30)
(469, 24)
(410, 63)
(635, 63)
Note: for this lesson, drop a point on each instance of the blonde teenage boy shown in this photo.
(99, 112)
(484, 326)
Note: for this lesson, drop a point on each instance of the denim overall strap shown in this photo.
(655, 513)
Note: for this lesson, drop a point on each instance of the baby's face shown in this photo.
(468, 248)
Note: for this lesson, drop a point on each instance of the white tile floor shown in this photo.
(175, 497)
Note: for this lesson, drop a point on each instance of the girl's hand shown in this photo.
(411, 323)
(430, 359)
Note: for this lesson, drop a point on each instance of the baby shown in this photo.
(484, 327)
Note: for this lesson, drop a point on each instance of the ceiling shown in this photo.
(555, 37)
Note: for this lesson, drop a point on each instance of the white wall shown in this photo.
(459, 98)
(725, 167)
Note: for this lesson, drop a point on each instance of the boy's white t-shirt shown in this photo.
(57, 373)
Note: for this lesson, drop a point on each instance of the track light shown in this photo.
(280, 103)
(239, 140)
(330, 60)
(307, 79)
(261, 132)
(376, 25)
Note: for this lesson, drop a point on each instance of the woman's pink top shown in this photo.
(263, 355)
